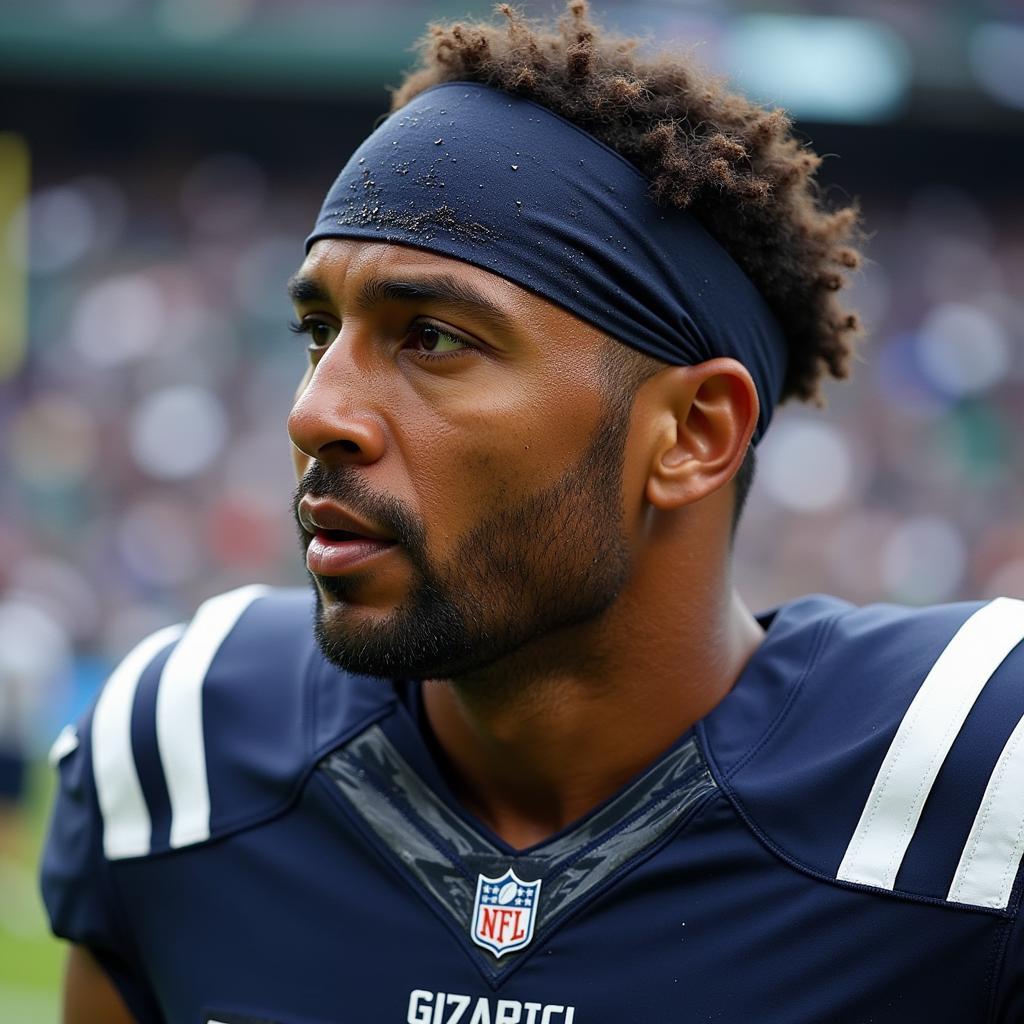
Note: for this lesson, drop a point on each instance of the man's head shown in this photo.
(510, 461)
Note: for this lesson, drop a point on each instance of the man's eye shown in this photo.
(429, 338)
(320, 333)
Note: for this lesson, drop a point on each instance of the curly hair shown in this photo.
(734, 165)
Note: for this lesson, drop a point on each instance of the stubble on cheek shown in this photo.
(507, 551)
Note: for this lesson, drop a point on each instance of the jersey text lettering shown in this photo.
(453, 1008)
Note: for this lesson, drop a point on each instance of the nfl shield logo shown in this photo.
(503, 912)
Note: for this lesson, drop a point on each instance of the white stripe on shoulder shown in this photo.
(179, 712)
(923, 740)
(126, 824)
(988, 865)
(65, 743)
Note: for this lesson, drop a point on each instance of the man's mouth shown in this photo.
(332, 535)
(336, 552)
(339, 542)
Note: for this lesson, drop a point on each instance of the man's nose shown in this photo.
(334, 419)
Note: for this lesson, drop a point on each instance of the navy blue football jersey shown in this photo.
(243, 833)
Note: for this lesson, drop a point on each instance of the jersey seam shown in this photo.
(363, 831)
(993, 973)
(823, 631)
(423, 828)
(402, 806)
(999, 959)
(621, 826)
(271, 811)
(724, 779)
(806, 869)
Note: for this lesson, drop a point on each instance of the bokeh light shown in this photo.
(963, 349)
(807, 465)
(177, 432)
(118, 320)
(923, 560)
(995, 54)
(62, 228)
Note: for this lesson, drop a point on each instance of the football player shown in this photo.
(522, 755)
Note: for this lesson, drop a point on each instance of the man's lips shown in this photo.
(330, 556)
(321, 515)
(339, 541)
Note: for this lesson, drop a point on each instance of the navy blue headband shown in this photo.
(473, 173)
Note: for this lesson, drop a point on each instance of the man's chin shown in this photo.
(345, 619)
(343, 633)
(407, 642)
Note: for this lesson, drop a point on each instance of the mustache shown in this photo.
(346, 487)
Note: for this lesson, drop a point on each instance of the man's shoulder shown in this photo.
(882, 746)
(212, 725)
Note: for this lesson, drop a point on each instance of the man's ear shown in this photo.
(708, 414)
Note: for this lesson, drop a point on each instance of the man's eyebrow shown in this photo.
(305, 289)
(446, 289)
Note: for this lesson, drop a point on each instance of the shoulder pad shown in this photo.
(883, 747)
(207, 728)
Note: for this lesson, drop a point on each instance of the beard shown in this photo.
(556, 558)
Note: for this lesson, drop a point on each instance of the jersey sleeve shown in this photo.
(202, 730)
(205, 729)
(78, 886)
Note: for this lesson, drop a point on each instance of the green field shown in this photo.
(30, 959)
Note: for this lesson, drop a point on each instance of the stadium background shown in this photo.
(160, 163)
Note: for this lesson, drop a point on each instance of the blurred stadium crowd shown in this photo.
(145, 461)
(143, 455)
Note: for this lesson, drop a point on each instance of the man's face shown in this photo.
(459, 451)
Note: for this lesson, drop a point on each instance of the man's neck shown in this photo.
(534, 743)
